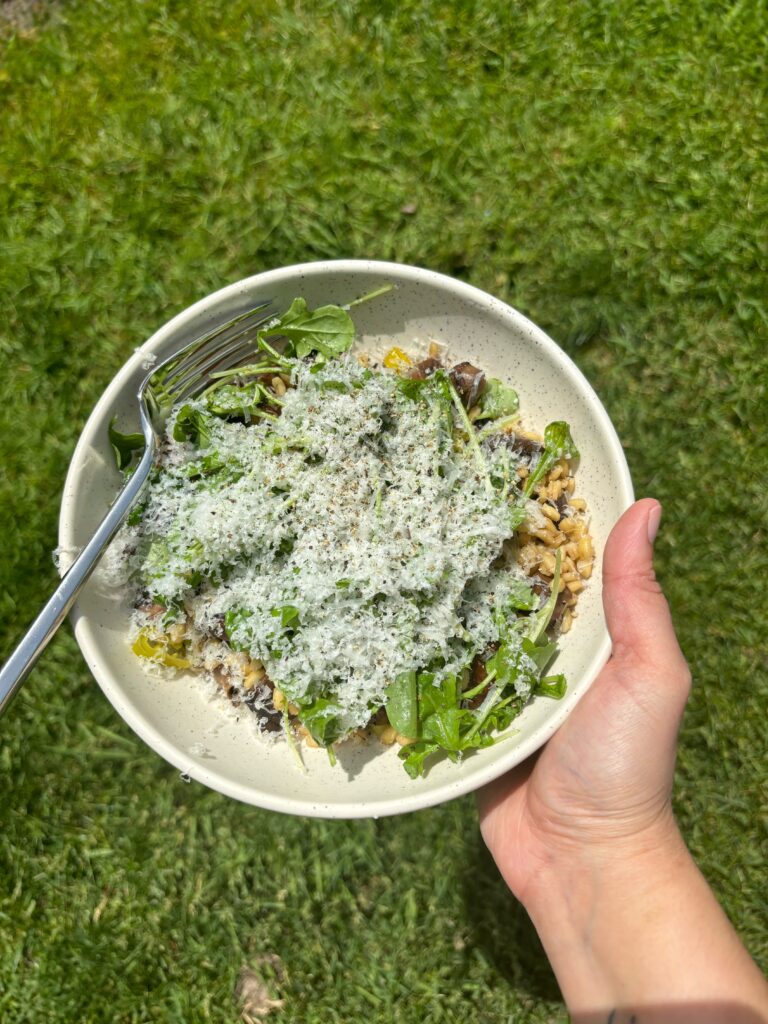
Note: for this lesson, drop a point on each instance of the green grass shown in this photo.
(599, 165)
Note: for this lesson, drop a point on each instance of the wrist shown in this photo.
(631, 923)
(590, 904)
(606, 863)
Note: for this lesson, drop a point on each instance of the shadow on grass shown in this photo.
(502, 930)
(682, 1013)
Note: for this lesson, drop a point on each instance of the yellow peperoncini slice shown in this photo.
(397, 360)
(157, 650)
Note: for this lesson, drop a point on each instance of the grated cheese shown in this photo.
(355, 512)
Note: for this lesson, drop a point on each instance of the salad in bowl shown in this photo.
(368, 548)
(354, 550)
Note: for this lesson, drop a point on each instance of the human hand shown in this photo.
(585, 837)
(602, 784)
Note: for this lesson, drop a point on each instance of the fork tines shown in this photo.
(220, 349)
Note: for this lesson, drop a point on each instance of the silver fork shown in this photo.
(183, 375)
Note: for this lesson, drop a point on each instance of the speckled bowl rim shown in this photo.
(465, 783)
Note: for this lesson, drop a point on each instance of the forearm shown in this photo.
(635, 936)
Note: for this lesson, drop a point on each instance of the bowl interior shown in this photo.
(204, 738)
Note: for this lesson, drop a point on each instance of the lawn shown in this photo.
(602, 167)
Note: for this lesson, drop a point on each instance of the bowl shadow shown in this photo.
(500, 927)
(352, 757)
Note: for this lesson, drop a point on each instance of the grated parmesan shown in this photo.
(356, 511)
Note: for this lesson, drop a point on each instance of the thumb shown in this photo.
(636, 610)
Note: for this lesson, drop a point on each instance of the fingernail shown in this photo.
(654, 518)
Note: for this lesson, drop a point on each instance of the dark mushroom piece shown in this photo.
(525, 447)
(150, 608)
(424, 369)
(477, 674)
(542, 588)
(222, 679)
(553, 628)
(216, 630)
(259, 701)
(562, 506)
(469, 382)
(379, 717)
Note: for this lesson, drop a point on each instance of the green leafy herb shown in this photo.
(195, 552)
(412, 388)
(235, 401)
(444, 382)
(517, 516)
(192, 425)
(235, 622)
(402, 704)
(288, 615)
(327, 330)
(323, 720)
(540, 654)
(124, 445)
(335, 385)
(558, 444)
(442, 723)
(415, 754)
(136, 514)
(157, 558)
(522, 596)
(497, 400)
(209, 465)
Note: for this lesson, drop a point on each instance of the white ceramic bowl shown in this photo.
(203, 739)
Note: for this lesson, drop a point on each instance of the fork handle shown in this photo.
(18, 666)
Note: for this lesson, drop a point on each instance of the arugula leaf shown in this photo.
(522, 596)
(433, 698)
(234, 622)
(499, 718)
(195, 551)
(444, 727)
(232, 400)
(411, 387)
(157, 558)
(327, 330)
(323, 720)
(402, 704)
(444, 382)
(124, 445)
(334, 385)
(209, 465)
(540, 654)
(192, 425)
(414, 755)
(503, 666)
(288, 615)
(558, 444)
(497, 400)
(513, 674)
(136, 514)
(286, 546)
